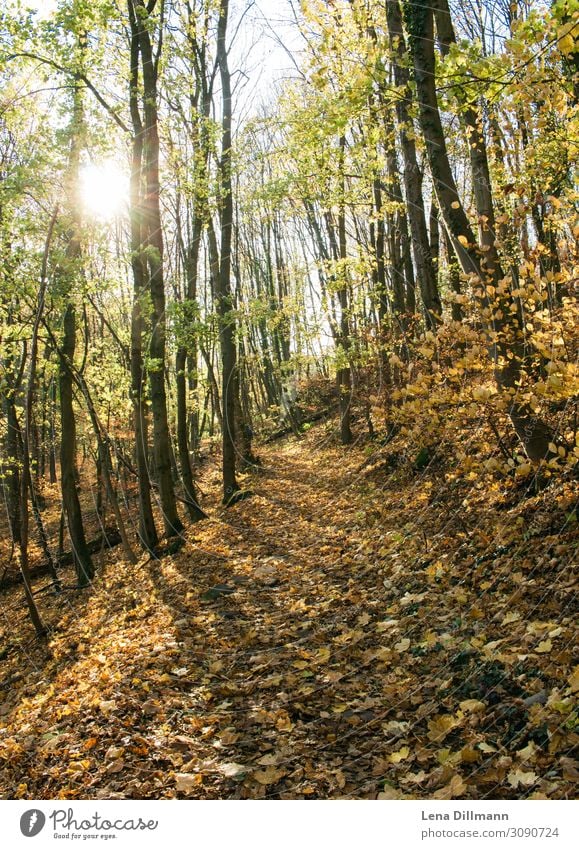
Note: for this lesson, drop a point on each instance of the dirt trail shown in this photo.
(300, 644)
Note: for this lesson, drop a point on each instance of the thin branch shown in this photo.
(46, 61)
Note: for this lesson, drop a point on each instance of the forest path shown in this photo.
(308, 642)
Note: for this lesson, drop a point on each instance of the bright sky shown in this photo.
(260, 48)
(258, 60)
(45, 7)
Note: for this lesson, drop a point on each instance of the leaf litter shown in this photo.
(341, 634)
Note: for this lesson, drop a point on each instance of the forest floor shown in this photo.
(356, 629)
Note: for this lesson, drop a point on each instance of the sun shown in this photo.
(104, 190)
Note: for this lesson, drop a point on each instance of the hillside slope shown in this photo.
(358, 628)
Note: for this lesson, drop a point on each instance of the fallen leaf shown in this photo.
(573, 680)
(472, 706)
(570, 769)
(228, 737)
(519, 778)
(231, 769)
(456, 787)
(468, 755)
(391, 793)
(400, 755)
(185, 782)
(271, 775)
(268, 760)
(529, 752)
(511, 617)
(440, 726)
(284, 723)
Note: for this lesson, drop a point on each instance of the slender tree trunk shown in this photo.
(224, 297)
(105, 455)
(153, 234)
(425, 273)
(194, 510)
(52, 447)
(345, 372)
(453, 271)
(147, 529)
(68, 470)
(26, 478)
(191, 265)
(11, 458)
(506, 348)
(71, 273)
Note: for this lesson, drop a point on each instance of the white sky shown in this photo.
(259, 45)
(259, 57)
(44, 7)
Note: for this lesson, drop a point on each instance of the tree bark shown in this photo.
(494, 299)
(147, 529)
(425, 272)
(224, 298)
(345, 372)
(69, 273)
(153, 234)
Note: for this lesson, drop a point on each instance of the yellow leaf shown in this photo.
(469, 755)
(391, 793)
(463, 241)
(382, 654)
(472, 706)
(440, 726)
(544, 647)
(511, 617)
(284, 723)
(403, 645)
(455, 204)
(443, 755)
(400, 755)
(567, 44)
(271, 775)
(519, 778)
(573, 680)
(455, 788)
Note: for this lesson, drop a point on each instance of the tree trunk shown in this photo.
(147, 529)
(425, 272)
(153, 237)
(506, 348)
(70, 273)
(68, 471)
(224, 298)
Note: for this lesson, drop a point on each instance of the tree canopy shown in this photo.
(347, 288)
